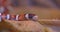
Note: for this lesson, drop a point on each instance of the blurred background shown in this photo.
(45, 9)
(38, 3)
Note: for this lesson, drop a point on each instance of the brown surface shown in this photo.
(25, 26)
(42, 13)
(4, 25)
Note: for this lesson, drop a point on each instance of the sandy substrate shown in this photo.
(27, 26)
(23, 26)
